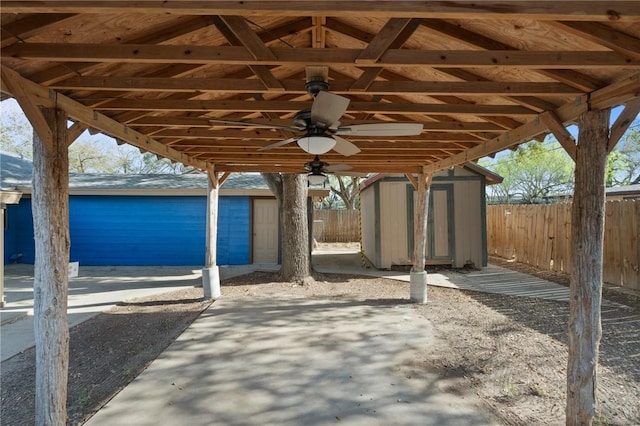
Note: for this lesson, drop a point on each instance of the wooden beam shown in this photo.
(241, 85)
(23, 29)
(383, 40)
(271, 135)
(238, 25)
(616, 93)
(11, 81)
(237, 32)
(288, 106)
(444, 126)
(412, 179)
(569, 77)
(318, 33)
(41, 96)
(222, 177)
(603, 35)
(623, 122)
(75, 131)
(561, 133)
(625, 11)
(198, 54)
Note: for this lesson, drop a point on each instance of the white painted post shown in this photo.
(418, 275)
(211, 273)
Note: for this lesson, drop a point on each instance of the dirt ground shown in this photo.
(511, 351)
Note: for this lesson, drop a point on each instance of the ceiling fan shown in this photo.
(322, 130)
(318, 171)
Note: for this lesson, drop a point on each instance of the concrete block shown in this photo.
(74, 268)
(211, 282)
(418, 289)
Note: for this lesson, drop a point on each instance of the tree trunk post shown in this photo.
(586, 279)
(50, 205)
(296, 261)
(418, 275)
(211, 273)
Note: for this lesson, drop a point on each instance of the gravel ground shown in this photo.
(511, 351)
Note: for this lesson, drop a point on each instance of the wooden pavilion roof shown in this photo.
(480, 76)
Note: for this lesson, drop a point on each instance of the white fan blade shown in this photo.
(277, 144)
(381, 129)
(338, 168)
(327, 108)
(345, 147)
(352, 174)
(249, 124)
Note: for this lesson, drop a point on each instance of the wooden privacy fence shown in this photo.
(540, 235)
(336, 226)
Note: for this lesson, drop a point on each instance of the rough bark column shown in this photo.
(296, 262)
(50, 205)
(2, 213)
(418, 275)
(586, 279)
(211, 273)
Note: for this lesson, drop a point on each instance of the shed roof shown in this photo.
(624, 190)
(479, 76)
(491, 178)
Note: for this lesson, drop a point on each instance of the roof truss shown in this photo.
(479, 77)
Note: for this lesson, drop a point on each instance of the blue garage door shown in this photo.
(127, 230)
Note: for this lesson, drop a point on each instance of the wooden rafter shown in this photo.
(605, 36)
(618, 92)
(13, 84)
(577, 10)
(623, 122)
(240, 85)
(194, 54)
(555, 125)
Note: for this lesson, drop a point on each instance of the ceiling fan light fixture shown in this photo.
(316, 144)
(316, 178)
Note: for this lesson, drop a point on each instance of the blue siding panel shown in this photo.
(140, 231)
(18, 236)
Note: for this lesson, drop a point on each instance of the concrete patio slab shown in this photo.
(292, 361)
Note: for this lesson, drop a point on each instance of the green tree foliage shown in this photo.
(531, 173)
(16, 134)
(88, 154)
(623, 165)
(345, 188)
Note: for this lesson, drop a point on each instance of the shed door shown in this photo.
(265, 231)
(440, 223)
(440, 226)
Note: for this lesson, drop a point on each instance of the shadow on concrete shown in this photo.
(295, 361)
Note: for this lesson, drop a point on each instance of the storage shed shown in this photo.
(456, 230)
(120, 219)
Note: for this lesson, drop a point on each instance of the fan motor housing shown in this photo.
(302, 119)
(315, 85)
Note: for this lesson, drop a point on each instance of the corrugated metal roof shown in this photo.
(16, 172)
(624, 190)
